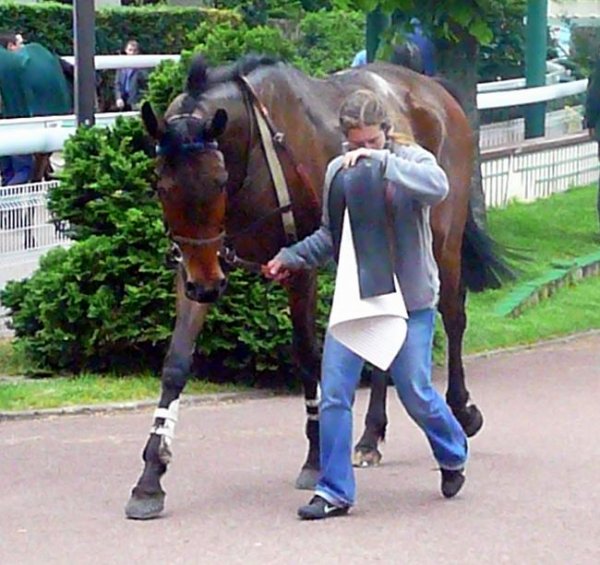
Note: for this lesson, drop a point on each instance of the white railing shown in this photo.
(555, 73)
(490, 100)
(558, 123)
(25, 222)
(112, 62)
(26, 233)
(21, 136)
(535, 169)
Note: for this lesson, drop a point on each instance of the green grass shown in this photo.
(11, 361)
(562, 227)
(559, 228)
(20, 394)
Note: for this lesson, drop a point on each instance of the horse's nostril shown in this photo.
(222, 284)
(190, 289)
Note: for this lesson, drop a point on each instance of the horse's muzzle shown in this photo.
(200, 293)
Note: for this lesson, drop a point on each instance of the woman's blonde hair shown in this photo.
(364, 108)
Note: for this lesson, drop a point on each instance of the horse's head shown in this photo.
(191, 188)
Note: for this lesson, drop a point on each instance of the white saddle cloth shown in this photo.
(374, 328)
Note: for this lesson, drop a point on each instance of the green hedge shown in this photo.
(159, 29)
(325, 42)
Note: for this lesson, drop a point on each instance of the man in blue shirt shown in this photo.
(130, 83)
(403, 54)
(425, 45)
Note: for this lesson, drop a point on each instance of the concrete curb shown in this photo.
(91, 409)
(536, 345)
(225, 397)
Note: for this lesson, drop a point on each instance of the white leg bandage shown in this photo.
(166, 430)
(312, 406)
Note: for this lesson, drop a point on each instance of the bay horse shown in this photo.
(217, 183)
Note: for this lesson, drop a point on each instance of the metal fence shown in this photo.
(26, 232)
(558, 123)
(537, 169)
(25, 222)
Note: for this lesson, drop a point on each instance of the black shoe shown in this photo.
(452, 482)
(318, 508)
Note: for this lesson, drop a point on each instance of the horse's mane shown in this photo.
(201, 77)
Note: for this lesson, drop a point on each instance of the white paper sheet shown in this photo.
(374, 328)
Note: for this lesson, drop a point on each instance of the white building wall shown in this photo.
(580, 8)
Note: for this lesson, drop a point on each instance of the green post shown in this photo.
(535, 64)
(377, 22)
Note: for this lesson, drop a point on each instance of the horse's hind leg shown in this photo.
(147, 497)
(366, 452)
(302, 299)
(452, 307)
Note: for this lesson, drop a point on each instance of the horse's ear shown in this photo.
(197, 78)
(151, 122)
(217, 124)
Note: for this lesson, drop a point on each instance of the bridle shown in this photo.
(227, 254)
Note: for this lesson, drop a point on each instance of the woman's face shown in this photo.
(369, 137)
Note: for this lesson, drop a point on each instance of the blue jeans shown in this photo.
(411, 373)
(16, 169)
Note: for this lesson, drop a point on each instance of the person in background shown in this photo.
(425, 46)
(130, 83)
(418, 184)
(592, 112)
(416, 53)
(14, 169)
(360, 59)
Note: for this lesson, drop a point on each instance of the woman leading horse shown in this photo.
(241, 158)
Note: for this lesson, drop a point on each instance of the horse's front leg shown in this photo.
(452, 307)
(302, 292)
(147, 497)
(366, 452)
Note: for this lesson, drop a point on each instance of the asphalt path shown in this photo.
(532, 494)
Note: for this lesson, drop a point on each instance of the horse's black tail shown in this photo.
(483, 266)
(482, 263)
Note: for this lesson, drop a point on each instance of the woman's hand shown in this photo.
(275, 271)
(353, 156)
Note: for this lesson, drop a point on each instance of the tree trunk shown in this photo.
(458, 63)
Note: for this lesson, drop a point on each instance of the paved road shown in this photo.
(532, 494)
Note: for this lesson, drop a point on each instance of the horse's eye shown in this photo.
(161, 190)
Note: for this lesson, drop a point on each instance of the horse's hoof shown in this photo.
(307, 479)
(471, 419)
(145, 508)
(366, 457)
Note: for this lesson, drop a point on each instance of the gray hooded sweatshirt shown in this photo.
(419, 184)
